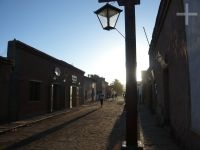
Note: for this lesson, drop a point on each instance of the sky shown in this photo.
(69, 30)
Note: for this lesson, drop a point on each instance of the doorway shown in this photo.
(73, 96)
(55, 97)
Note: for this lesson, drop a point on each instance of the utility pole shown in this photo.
(131, 83)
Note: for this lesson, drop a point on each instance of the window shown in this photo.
(35, 90)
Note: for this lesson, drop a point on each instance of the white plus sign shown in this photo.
(187, 14)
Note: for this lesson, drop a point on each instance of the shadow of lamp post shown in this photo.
(108, 16)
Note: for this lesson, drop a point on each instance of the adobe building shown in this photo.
(39, 83)
(109, 91)
(101, 85)
(174, 70)
(6, 67)
(89, 90)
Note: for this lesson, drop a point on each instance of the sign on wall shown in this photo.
(74, 79)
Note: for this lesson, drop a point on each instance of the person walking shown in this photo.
(101, 96)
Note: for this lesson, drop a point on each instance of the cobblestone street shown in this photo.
(89, 128)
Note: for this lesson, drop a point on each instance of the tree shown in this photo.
(117, 87)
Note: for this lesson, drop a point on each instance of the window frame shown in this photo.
(35, 90)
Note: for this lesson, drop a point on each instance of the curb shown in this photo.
(13, 126)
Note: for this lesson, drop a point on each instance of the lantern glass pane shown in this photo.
(103, 21)
(112, 13)
(108, 13)
(113, 20)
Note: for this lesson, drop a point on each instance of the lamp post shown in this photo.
(131, 83)
(108, 16)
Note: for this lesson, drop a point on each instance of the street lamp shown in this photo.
(131, 83)
(108, 16)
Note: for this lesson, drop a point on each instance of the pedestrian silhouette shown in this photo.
(101, 96)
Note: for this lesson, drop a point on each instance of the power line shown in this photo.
(146, 36)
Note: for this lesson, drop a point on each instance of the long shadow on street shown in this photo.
(46, 132)
(117, 134)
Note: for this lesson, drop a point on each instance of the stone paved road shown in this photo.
(95, 129)
(88, 128)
